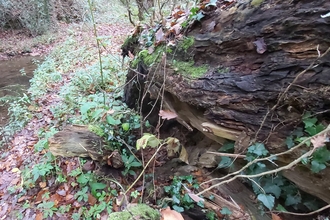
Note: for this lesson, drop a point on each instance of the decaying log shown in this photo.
(78, 141)
(266, 66)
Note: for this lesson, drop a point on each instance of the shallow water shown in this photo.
(12, 81)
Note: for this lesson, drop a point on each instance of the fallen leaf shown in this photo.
(173, 146)
(159, 36)
(166, 114)
(168, 214)
(42, 184)
(39, 216)
(276, 217)
(40, 194)
(91, 200)
(319, 141)
(15, 170)
(68, 197)
(184, 155)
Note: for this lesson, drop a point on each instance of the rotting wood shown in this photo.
(78, 141)
(262, 50)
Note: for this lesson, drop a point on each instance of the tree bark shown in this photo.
(266, 66)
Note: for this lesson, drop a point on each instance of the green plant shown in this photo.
(135, 194)
(82, 195)
(41, 170)
(48, 208)
(129, 162)
(321, 156)
(42, 144)
(180, 200)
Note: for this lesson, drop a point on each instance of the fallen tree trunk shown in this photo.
(250, 74)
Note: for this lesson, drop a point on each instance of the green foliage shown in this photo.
(43, 142)
(180, 200)
(321, 156)
(47, 208)
(39, 16)
(186, 43)
(19, 115)
(267, 200)
(130, 162)
(41, 170)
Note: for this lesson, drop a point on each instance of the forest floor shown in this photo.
(23, 196)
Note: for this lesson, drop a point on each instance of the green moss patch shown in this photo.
(189, 69)
(186, 43)
(140, 211)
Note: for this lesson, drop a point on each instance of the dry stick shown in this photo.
(226, 154)
(144, 168)
(267, 158)
(305, 214)
(311, 66)
(290, 165)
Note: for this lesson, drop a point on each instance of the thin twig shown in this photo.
(226, 154)
(305, 214)
(290, 165)
(145, 167)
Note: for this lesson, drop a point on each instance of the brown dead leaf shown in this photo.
(173, 146)
(68, 197)
(167, 114)
(91, 199)
(184, 155)
(42, 184)
(319, 141)
(276, 217)
(131, 55)
(168, 214)
(39, 216)
(159, 36)
(40, 194)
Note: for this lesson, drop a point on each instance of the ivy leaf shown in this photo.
(316, 166)
(292, 200)
(267, 200)
(227, 146)
(178, 208)
(279, 207)
(273, 189)
(289, 141)
(225, 211)
(112, 121)
(258, 149)
(175, 199)
(304, 160)
(309, 122)
(311, 205)
(298, 132)
(199, 16)
(225, 162)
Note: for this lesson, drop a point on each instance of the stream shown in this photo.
(13, 82)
